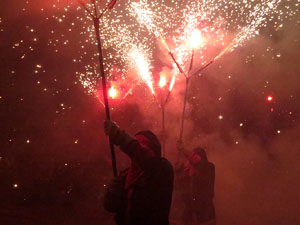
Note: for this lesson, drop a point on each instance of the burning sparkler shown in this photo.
(141, 62)
(193, 29)
(194, 40)
(220, 24)
(162, 84)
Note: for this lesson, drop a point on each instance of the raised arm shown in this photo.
(128, 144)
(191, 156)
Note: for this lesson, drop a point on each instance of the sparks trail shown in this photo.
(193, 29)
(141, 62)
(144, 21)
(213, 21)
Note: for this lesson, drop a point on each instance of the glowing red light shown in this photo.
(270, 98)
(112, 92)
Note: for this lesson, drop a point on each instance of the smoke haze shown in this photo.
(53, 146)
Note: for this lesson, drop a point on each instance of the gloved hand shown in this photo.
(117, 136)
(110, 128)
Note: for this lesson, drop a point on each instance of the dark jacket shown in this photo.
(148, 200)
(198, 191)
(203, 191)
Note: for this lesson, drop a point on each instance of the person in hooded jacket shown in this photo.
(197, 178)
(141, 194)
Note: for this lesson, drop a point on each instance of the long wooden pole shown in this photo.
(163, 130)
(104, 89)
(184, 107)
(183, 115)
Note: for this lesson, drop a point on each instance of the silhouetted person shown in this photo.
(196, 185)
(142, 194)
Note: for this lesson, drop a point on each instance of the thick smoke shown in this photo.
(254, 144)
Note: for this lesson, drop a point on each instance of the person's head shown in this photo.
(149, 139)
(201, 152)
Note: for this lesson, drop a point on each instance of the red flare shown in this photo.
(270, 98)
(112, 92)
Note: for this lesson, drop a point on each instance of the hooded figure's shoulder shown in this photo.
(166, 163)
(166, 166)
(211, 165)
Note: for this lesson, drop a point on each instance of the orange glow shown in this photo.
(112, 92)
(162, 81)
(195, 40)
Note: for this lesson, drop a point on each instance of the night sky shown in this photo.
(54, 158)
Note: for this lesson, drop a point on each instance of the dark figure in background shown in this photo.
(142, 194)
(196, 185)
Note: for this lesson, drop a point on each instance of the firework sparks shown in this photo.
(219, 24)
(215, 21)
(141, 62)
